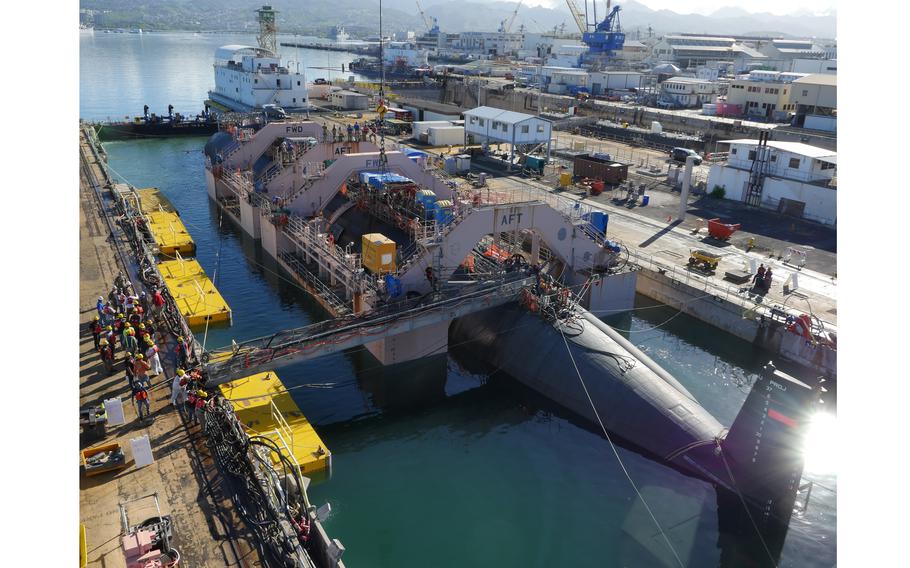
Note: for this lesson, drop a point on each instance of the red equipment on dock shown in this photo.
(722, 231)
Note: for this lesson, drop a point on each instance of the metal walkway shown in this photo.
(324, 338)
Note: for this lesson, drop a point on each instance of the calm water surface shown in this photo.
(436, 465)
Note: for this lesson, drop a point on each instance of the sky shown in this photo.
(779, 7)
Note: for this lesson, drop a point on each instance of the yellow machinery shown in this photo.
(378, 253)
(703, 259)
(565, 179)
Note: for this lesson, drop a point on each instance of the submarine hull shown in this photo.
(634, 402)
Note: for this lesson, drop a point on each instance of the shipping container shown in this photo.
(378, 253)
(445, 135)
(591, 167)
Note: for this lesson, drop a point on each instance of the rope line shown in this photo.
(616, 453)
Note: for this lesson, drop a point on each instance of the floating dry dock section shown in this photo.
(196, 297)
(164, 223)
(262, 403)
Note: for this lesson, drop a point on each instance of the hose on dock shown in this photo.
(272, 504)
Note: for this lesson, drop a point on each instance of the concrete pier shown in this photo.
(205, 528)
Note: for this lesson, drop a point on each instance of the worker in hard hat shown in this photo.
(129, 342)
(140, 370)
(142, 401)
(94, 327)
(178, 390)
(151, 354)
(107, 355)
(183, 352)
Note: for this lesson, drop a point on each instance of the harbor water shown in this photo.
(440, 463)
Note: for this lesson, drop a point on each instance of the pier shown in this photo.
(188, 471)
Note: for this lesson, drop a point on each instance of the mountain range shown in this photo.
(361, 17)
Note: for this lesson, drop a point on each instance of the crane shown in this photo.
(606, 38)
(576, 14)
(426, 20)
(506, 25)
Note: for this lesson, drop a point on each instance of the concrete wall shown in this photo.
(729, 317)
(612, 294)
(427, 341)
(250, 219)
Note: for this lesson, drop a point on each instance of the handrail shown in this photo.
(688, 277)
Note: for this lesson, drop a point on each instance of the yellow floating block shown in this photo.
(261, 403)
(165, 224)
(197, 298)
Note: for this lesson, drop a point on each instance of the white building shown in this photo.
(764, 94)
(488, 125)
(247, 77)
(688, 92)
(790, 49)
(823, 66)
(563, 80)
(691, 51)
(602, 82)
(815, 99)
(490, 43)
(799, 179)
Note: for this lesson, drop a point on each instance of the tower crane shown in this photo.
(506, 25)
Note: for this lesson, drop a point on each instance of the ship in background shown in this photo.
(401, 59)
(248, 78)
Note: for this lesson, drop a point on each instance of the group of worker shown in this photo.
(762, 279)
(126, 325)
(355, 133)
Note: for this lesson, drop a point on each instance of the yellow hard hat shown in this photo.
(109, 328)
(127, 324)
(202, 393)
(141, 326)
(97, 318)
(102, 342)
(181, 372)
(139, 356)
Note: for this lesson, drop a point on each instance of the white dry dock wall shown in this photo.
(250, 219)
(821, 202)
(728, 316)
(425, 342)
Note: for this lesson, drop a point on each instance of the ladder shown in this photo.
(758, 171)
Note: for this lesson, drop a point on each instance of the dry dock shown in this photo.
(206, 531)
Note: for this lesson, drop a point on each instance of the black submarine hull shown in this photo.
(758, 458)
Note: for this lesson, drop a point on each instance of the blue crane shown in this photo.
(607, 37)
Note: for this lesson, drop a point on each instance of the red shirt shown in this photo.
(157, 299)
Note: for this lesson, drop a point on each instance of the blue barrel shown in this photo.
(645, 199)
